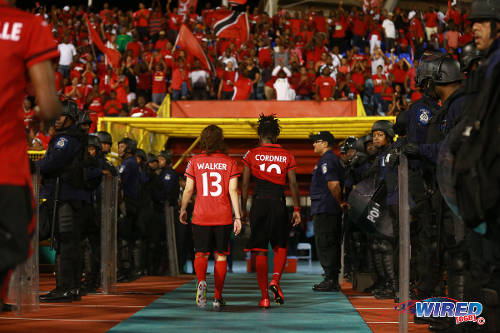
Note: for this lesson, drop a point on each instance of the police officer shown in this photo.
(127, 226)
(84, 122)
(425, 228)
(446, 81)
(91, 230)
(170, 183)
(64, 165)
(326, 196)
(106, 143)
(383, 241)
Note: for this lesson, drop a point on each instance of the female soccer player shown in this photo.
(270, 164)
(215, 176)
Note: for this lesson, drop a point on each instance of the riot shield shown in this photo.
(445, 178)
(173, 262)
(367, 205)
(24, 283)
(109, 209)
(404, 241)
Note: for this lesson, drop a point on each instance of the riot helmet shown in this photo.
(152, 158)
(384, 126)
(447, 70)
(166, 156)
(70, 109)
(425, 69)
(470, 54)
(105, 137)
(484, 10)
(139, 153)
(350, 143)
(93, 141)
(131, 145)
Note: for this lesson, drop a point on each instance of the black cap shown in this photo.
(323, 135)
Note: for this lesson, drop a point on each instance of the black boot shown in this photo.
(327, 284)
(61, 296)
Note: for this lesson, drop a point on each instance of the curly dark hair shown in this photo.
(269, 127)
(212, 140)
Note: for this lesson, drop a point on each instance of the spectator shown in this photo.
(228, 57)
(242, 86)
(179, 87)
(389, 32)
(378, 59)
(452, 37)
(200, 82)
(282, 88)
(141, 110)
(226, 86)
(159, 85)
(303, 86)
(325, 86)
(113, 107)
(141, 21)
(67, 52)
(431, 20)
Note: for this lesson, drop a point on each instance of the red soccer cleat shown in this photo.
(279, 298)
(264, 303)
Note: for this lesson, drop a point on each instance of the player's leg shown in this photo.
(279, 240)
(222, 236)
(201, 237)
(258, 244)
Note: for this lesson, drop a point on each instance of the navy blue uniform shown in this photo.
(454, 111)
(327, 169)
(170, 184)
(129, 175)
(327, 213)
(419, 116)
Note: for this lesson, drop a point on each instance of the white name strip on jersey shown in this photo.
(9, 32)
(270, 158)
(211, 166)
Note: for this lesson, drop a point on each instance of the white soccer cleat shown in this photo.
(201, 294)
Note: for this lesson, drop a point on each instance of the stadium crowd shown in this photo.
(294, 55)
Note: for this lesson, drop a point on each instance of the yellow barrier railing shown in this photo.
(35, 155)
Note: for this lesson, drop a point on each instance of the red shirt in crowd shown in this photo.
(228, 79)
(159, 82)
(142, 17)
(430, 19)
(97, 106)
(326, 86)
(378, 81)
(26, 41)
(178, 77)
(242, 89)
(399, 74)
(211, 174)
(142, 112)
(136, 48)
(113, 107)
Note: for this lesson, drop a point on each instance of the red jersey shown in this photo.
(211, 174)
(326, 86)
(270, 162)
(242, 89)
(25, 41)
(159, 82)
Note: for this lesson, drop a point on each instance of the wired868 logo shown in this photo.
(445, 307)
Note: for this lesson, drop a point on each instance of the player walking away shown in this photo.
(27, 46)
(270, 164)
(215, 176)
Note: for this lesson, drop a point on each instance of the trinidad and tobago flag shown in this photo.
(231, 24)
(189, 43)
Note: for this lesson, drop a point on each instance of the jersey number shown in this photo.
(215, 179)
(270, 168)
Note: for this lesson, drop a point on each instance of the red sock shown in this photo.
(200, 266)
(261, 268)
(220, 271)
(279, 262)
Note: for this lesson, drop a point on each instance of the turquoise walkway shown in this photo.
(304, 310)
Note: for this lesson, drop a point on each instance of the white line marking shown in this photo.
(57, 319)
(374, 308)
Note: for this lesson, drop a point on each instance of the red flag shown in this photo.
(187, 42)
(112, 54)
(232, 25)
(184, 5)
